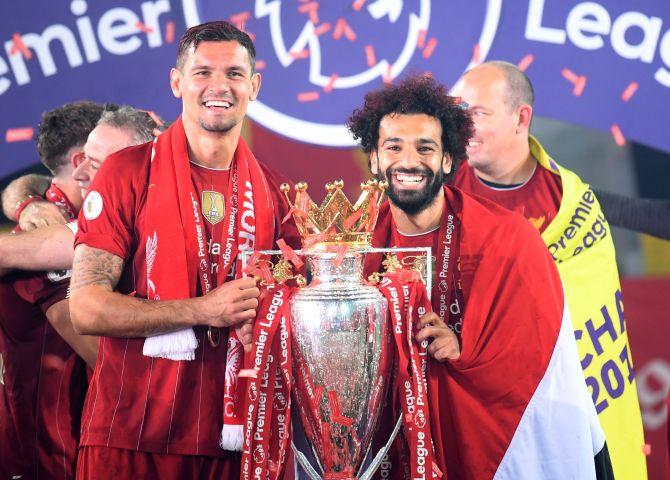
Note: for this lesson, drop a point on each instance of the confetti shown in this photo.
(579, 86)
(304, 53)
(578, 81)
(331, 83)
(477, 54)
(342, 27)
(387, 78)
(19, 46)
(629, 91)
(569, 75)
(525, 62)
(646, 449)
(308, 96)
(289, 254)
(370, 55)
(19, 134)
(422, 38)
(143, 27)
(341, 252)
(260, 65)
(358, 4)
(240, 19)
(430, 47)
(169, 32)
(618, 135)
(311, 9)
(155, 118)
(321, 29)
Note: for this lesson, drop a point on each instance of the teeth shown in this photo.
(217, 103)
(409, 179)
(474, 143)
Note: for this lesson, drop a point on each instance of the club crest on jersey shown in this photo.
(213, 206)
(92, 205)
(335, 52)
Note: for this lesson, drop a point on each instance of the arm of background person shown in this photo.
(38, 213)
(48, 248)
(97, 310)
(650, 216)
(86, 346)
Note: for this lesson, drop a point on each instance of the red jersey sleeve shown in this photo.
(106, 220)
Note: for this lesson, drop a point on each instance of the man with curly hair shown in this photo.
(505, 394)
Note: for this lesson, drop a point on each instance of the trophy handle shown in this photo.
(367, 475)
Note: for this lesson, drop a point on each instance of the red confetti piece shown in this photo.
(169, 32)
(142, 27)
(646, 449)
(331, 83)
(618, 135)
(252, 36)
(252, 263)
(525, 62)
(308, 96)
(343, 28)
(304, 53)
(260, 65)
(240, 19)
(569, 75)
(370, 57)
(289, 254)
(388, 76)
(155, 118)
(321, 29)
(311, 9)
(579, 86)
(353, 218)
(19, 134)
(477, 54)
(358, 4)
(629, 91)
(422, 38)
(19, 46)
(430, 47)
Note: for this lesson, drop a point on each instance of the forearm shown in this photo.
(96, 310)
(48, 248)
(19, 189)
(84, 345)
(650, 216)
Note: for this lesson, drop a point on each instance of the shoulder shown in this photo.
(128, 161)
(485, 222)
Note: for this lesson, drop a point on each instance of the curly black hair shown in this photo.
(414, 95)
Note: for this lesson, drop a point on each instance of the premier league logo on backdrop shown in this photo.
(318, 59)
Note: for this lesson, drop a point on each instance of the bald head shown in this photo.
(516, 87)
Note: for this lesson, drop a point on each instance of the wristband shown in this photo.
(20, 206)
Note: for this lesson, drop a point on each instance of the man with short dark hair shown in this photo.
(505, 393)
(44, 380)
(165, 221)
(509, 167)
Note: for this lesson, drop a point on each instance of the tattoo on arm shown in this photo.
(93, 266)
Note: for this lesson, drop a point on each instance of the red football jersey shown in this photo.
(134, 401)
(44, 381)
(538, 199)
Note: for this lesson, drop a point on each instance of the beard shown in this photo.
(220, 126)
(413, 201)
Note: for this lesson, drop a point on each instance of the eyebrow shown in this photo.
(392, 139)
(428, 141)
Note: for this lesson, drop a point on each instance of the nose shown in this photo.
(80, 174)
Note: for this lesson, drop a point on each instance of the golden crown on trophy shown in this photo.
(336, 221)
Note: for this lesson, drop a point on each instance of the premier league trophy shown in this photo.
(343, 350)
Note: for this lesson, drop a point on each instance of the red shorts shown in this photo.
(115, 463)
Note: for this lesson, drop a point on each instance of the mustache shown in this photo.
(409, 171)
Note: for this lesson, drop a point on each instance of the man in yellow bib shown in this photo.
(509, 166)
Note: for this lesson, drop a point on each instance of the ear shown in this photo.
(525, 113)
(374, 162)
(175, 82)
(446, 163)
(256, 81)
(77, 158)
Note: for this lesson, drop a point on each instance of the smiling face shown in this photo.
(410, 157)
(215, 83)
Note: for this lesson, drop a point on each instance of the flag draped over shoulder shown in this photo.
(514, 405)
(580, 242)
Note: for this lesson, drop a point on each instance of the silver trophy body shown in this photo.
(341, 331)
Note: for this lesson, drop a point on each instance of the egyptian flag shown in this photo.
(515, 404)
